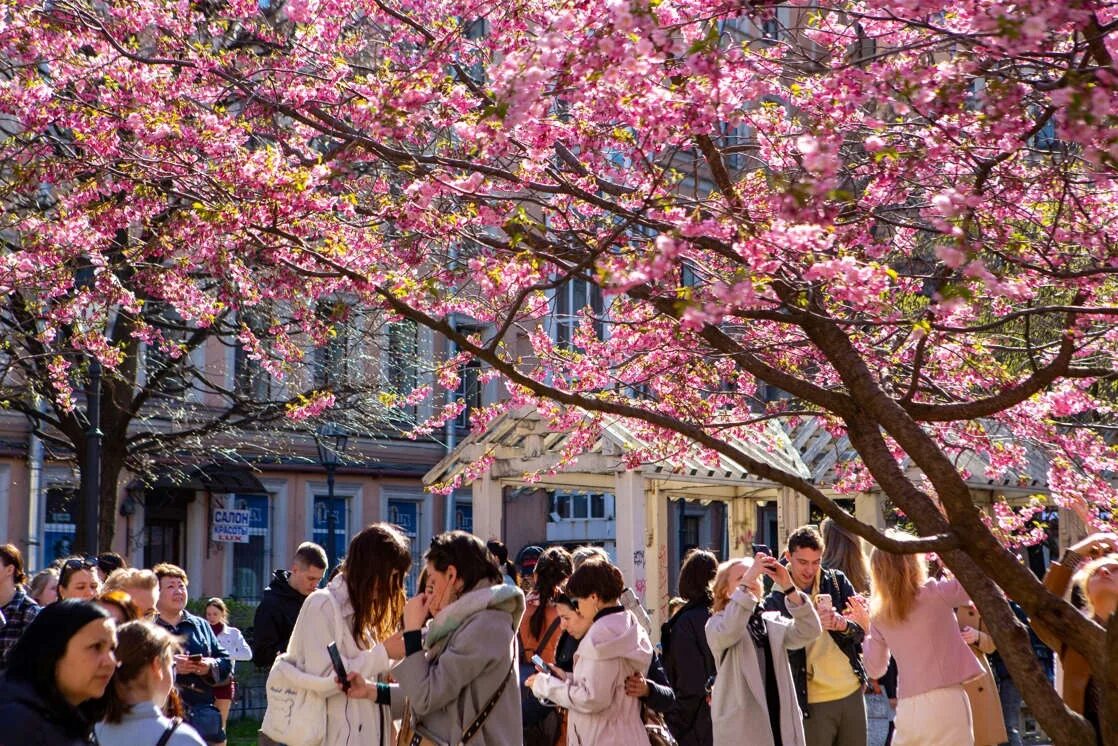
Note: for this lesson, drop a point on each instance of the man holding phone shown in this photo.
(203, 663)
(828, 673)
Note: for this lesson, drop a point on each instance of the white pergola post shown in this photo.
(656, 559)
(630, 524)
(793, 511)
(488, 507)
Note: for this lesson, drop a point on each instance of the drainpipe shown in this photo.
(451, 432)
(34, 493)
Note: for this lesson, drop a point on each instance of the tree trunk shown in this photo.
(106, 530)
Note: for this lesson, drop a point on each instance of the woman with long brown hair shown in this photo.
(358, 610)
(843, 551)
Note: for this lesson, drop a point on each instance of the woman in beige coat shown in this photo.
(746, 704)
(985, 706)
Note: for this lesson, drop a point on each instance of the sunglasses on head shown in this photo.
(71, 566)
(79, 563)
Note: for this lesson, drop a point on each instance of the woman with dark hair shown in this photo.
(460, 679)
(78, 578)
(539, 635)
(57, 674)
(141, 687)
(614, 648)
(358, 610)
(508, 569)
(687, 656)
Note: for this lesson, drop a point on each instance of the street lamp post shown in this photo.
(331, 441)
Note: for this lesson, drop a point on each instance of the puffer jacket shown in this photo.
(594, 693)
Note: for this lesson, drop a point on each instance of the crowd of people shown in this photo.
(763, 649)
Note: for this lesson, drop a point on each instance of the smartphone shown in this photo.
(762, 549)
(339, 667)
(540, 665)
(823, 602)
(195, 658)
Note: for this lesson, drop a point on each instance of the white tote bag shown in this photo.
(296, 714)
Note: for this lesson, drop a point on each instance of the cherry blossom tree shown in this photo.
(901, 214)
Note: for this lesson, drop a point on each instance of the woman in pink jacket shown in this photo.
(913, 617)
(615, 646)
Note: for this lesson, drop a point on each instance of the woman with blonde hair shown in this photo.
(358, 610)
(754, 692)
(913, 617)
(1092, 565)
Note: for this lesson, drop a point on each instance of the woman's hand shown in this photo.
(1096, 544)
(970, 635)
(358, 687)
(636, 685)
(858, 610)
(557, 672)
(755, 570)
(394, 646)
(415, 612)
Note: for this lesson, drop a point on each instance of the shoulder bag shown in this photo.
(296, 699)
(175, 723)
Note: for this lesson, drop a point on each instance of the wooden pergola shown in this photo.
(521, 448)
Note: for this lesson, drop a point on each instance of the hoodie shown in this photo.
(468, 654)
(275, 618)
(600, 712)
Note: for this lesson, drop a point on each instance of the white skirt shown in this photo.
(941, 717)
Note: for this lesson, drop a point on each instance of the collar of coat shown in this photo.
(502, 597)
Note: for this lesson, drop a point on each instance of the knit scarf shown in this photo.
(505, 598)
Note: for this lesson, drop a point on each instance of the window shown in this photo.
(329, 530)
(469, 391)
(402, 369)
(408, 515)
(60, 531)
(250, 380)
(330, 359)
(581, 506)
(167, 370)
(252, 564)
(572, 298)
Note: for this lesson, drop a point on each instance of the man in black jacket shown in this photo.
(828, 673)
(281, 601)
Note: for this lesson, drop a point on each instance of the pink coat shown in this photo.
(599, 710)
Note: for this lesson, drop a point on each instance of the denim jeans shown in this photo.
(1011, 710)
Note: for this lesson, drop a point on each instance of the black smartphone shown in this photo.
(195, 658)
(763, 549)
(339, 668)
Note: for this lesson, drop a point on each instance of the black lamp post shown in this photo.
(331, 441)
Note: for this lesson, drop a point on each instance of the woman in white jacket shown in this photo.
(359, 610)
(746, 643)
(230, 638)
(614, 647)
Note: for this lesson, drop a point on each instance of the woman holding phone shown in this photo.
(754, 692)
(357, 611)
(460, 676)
